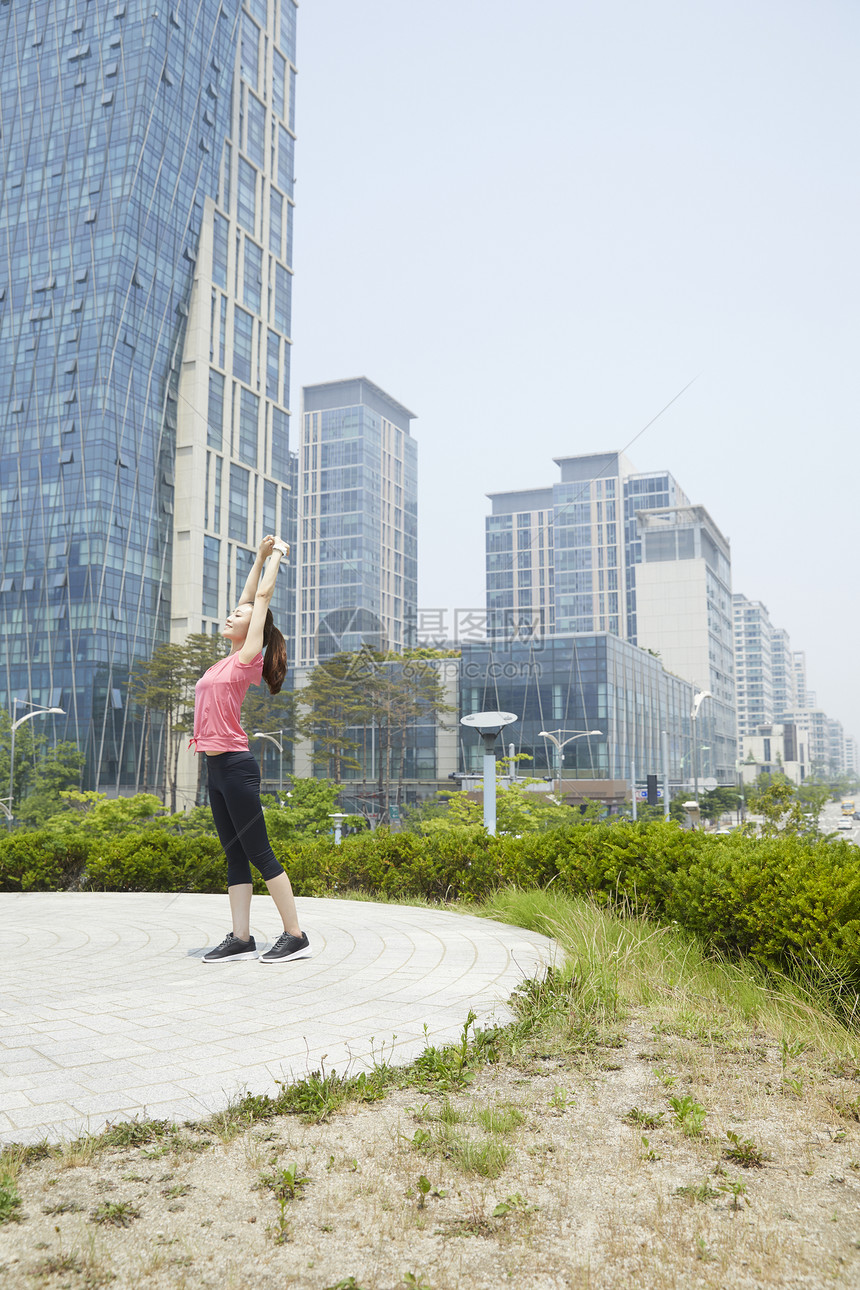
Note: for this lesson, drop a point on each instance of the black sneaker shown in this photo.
(232, 950)
(287, 947)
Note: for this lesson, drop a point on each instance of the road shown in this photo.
(830, 817)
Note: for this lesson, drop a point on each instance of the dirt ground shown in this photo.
(536, 1175)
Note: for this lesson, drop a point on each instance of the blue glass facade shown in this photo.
(578, 683)
(114, 121)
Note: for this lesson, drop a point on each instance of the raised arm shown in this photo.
(259, 591)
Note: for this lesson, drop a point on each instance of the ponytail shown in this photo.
(275, 656)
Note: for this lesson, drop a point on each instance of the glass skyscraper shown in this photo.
(145, 287)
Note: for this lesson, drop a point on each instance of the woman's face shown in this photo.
(236, 624)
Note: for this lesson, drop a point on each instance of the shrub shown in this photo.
(781, 900)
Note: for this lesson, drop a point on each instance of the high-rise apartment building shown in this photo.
(684, 608)
(563, 559)
(145, 286)
(753, 632)
(358, 508)
(782, 673)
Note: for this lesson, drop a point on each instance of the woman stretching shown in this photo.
(234, 776)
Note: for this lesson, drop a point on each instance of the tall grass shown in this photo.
(617, 957)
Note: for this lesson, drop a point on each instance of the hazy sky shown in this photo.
(534, 223)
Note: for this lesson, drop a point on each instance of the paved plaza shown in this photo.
(107, 1012)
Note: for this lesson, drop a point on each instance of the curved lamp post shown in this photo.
(40, 711)
(698, 700)
(561, 744)
(262, 734)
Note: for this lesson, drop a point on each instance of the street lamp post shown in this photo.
(40, 711)
(561, 744)
(698, 700)
(489, 726)
(279, 744)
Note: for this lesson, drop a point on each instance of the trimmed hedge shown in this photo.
(778, 900)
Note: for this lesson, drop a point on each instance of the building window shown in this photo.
(237, 518)
(280, 444)
(219, 251)
(285, 160)
(253, 285)
(243, 330)
(215, 422)
(211, 573)
(250, 63)
(256, 118)
(279, 76)
(281, 312)
(246, 196)
(249, 409)
(276, 221)
(273, 366)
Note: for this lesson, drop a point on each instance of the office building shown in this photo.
(563, 559)
(684, 607)
(145, 286)
(358, 507)
(570, 685)
(783, 675)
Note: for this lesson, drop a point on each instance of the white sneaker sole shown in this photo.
(234, 958)
(306, 953)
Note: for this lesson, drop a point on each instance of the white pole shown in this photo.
(665, 749)
(489, 783)
(633, 788)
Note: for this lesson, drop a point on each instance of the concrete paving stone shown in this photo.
(12, 1099)
(31, 1117)
(99, 1011)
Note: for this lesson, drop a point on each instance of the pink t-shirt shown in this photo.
(218, 699)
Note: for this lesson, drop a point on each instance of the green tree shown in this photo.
(397, 693)
(274, 714)
(56, 770)
(779, 806)
(306, 812)
(329, 705)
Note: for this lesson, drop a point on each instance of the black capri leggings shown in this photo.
(234, 795)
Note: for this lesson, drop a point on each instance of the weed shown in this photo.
(794, 1084)
(647, 1153)
(703, 1254)
(561, 1099)
(743, 1152)
(500, 1119)
(667, 1080)
(448, 1113)
(287, 1183)
(791, 1051)
(850, 1110)
(421, 1139)
(645, 1119)
(703, 1192)
(68, 1262)
(414, 1283)
(63, 1207)
(115, 1214)
(178, 1189)
(10, 1201)
(134, 1133)
(449, 1067)
(487, 1158)
(425, 1188)
(689, 1114)
(514, 1204)
(737, 1190)
(348, 1283)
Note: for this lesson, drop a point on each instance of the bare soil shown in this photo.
(588, 1196)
